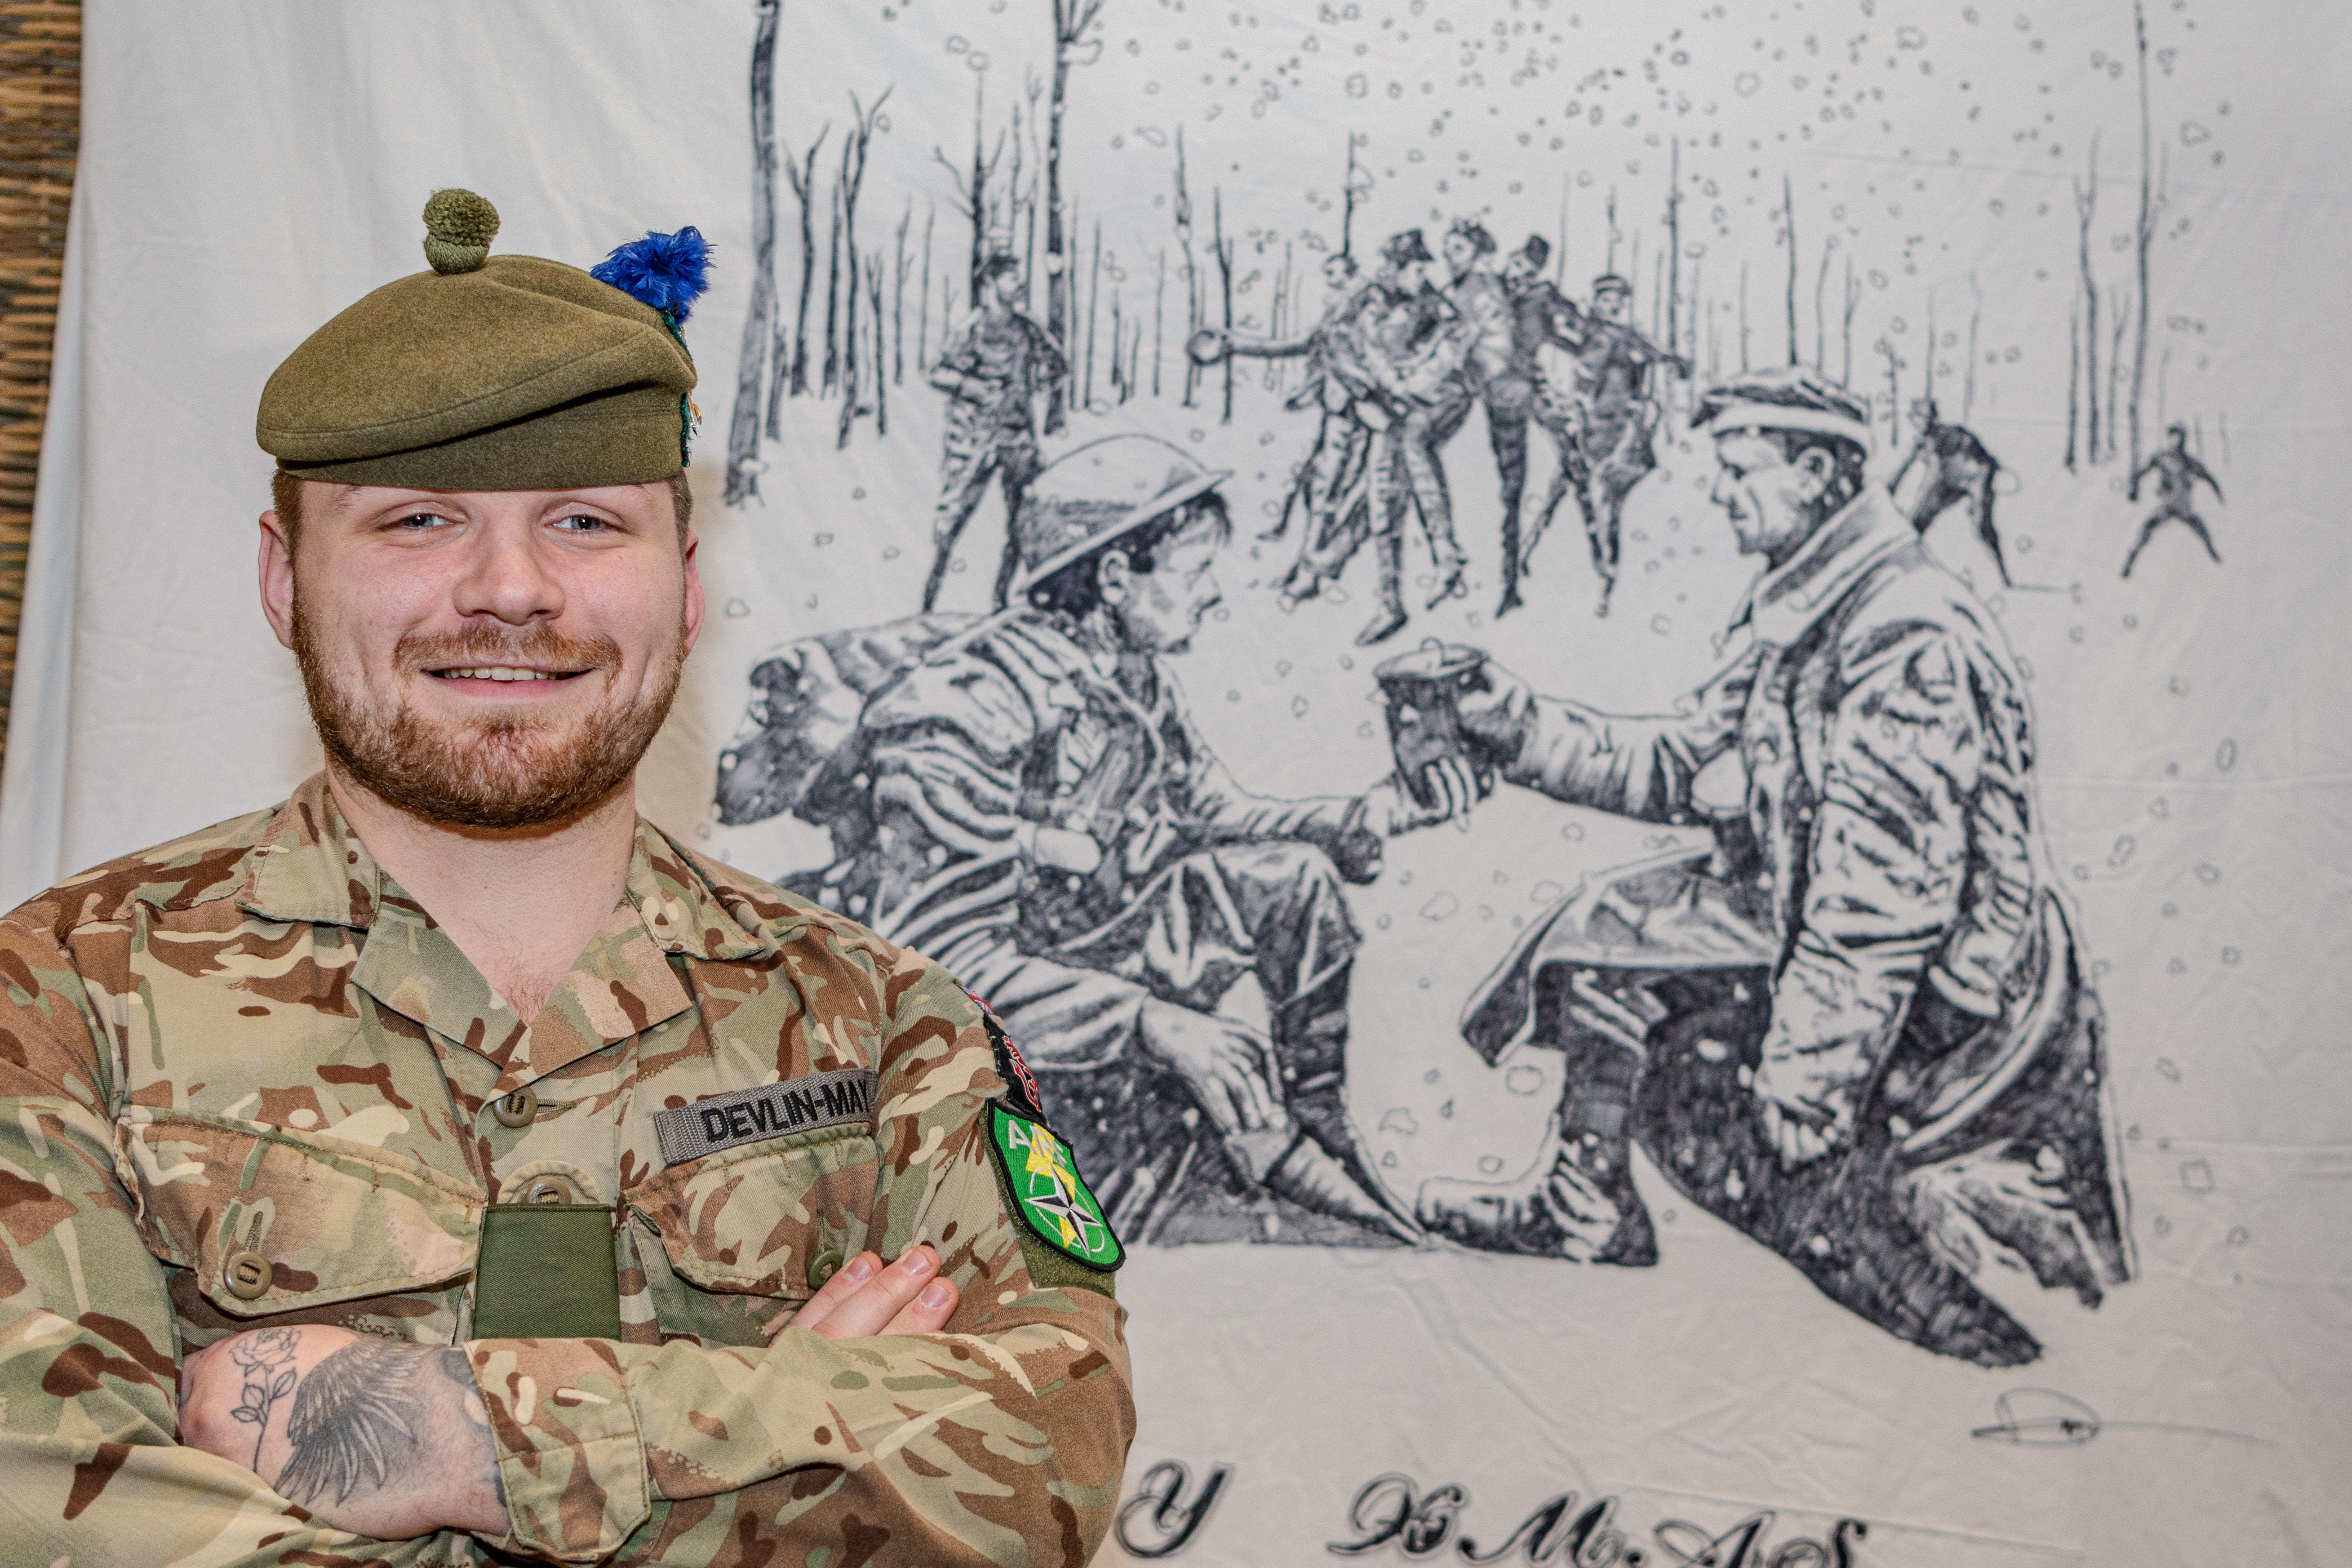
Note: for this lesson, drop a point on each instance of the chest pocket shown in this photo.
(770, 1219)
(270, 1221)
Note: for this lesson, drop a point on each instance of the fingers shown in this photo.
(1247, 1077)
(876, 1298)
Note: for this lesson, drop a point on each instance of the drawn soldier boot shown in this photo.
(1310, 1046)
(1391, 620)
(1596, 1113)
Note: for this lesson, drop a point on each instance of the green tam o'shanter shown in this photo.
(496, 372)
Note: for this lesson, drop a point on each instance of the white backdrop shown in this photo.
(247, 169)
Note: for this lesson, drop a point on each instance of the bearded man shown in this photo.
(447, 1165)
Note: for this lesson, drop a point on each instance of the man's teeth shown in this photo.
(500, 672)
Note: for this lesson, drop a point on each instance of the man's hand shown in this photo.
(863, 1298)
(1389, 810)
(1807, 1114)
(1229, 1065)
(380, 1437)
(1497, 710)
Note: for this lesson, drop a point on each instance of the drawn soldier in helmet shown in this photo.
(1024, 798)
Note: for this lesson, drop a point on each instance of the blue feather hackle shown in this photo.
(667, 271)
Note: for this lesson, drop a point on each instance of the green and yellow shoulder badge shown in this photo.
(1049, 1198)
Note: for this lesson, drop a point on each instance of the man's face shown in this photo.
(1461, 251)
(1768, 498)
(1412, 276)
(1519, 267)
(495, 659)
(1610, 304)
(1921, 415)
(1162, 609)
(1338, 273)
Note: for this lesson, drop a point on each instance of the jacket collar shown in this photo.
(310, 868)
(1785, 601)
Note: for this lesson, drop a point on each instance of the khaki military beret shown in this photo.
(487, 374)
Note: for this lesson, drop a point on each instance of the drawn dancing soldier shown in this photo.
(1860, 1028)
(2177, 474)
(1337, 385)
(448, 1164)
(1955, 467)
(993, 372)
(1620, 418)
(1518, 391)
(1026, 797)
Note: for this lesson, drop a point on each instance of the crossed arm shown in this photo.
(391, 1439)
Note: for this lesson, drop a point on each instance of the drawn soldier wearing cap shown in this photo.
(1860, 1027)
(1620, 418)
(447, 1164)
(1025, 797)
(994, 372)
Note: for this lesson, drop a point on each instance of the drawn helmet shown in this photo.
(1105, 489)
(1404, 250)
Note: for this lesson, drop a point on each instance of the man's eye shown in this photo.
(421, 520)
(581, 522)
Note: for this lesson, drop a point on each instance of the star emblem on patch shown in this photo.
(1050, 1199)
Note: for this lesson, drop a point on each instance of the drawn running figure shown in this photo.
(1613, 373)
(994, 372)
(1958, 469)
(1519, 392)
(2177, 474)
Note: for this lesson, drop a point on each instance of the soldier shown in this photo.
(1415, 342)
(1026, 797)
(1860, 1030)
(1612, 374)
(1955, 467)
(486, 1174)
(993, 372)
(1517, 392)
(2177, 474)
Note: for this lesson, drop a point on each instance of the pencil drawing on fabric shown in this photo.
(1798, 956)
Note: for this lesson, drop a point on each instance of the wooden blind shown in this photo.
(40, 130)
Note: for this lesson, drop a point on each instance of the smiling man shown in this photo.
(448, 1167)
(1860, 1029)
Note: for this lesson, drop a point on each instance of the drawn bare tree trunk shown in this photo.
(1788, 219)
(1821, 320)
(1893, 387)
(2144, 234)
(1673, 244)
(1976, 316)
(1223, 249)
(2119, 324)
(881, 381)
(923, 309)
(853, 177)
(833, 297)
(898, 267)
(2087, 204)
(2074, 376)
(1183, 216)
(1159, 301)
(1071, 20)
(1094, 298)
(802, 173)
(973, 202)
(744, 425)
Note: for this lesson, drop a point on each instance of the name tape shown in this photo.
(764, 1110)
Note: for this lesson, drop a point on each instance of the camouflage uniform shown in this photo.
(253, 1041)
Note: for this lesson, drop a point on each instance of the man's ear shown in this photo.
(1113, 575)
(1818, 467)
(276, 568)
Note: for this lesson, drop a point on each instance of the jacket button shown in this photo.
(516, 1109)
(823, 1267)
(550, 1189)
(247, 1275)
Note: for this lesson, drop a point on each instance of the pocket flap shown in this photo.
(333, 1220)
(752, 1219)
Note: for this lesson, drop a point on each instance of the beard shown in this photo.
(500, 772)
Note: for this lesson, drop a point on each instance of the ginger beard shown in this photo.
(501, 770)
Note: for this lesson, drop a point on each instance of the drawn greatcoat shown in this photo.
(1878, 946)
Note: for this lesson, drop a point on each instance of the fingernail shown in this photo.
(935, 1295)
(918, 1261)
(860, 1266)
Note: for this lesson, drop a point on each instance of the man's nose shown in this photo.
(507, 575)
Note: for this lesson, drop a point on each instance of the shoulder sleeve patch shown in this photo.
(1049, 1200)
(1021, 1091)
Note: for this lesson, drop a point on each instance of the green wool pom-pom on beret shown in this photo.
(485, 374)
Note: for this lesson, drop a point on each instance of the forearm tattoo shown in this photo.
(357, 1422)
(267, 1359)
